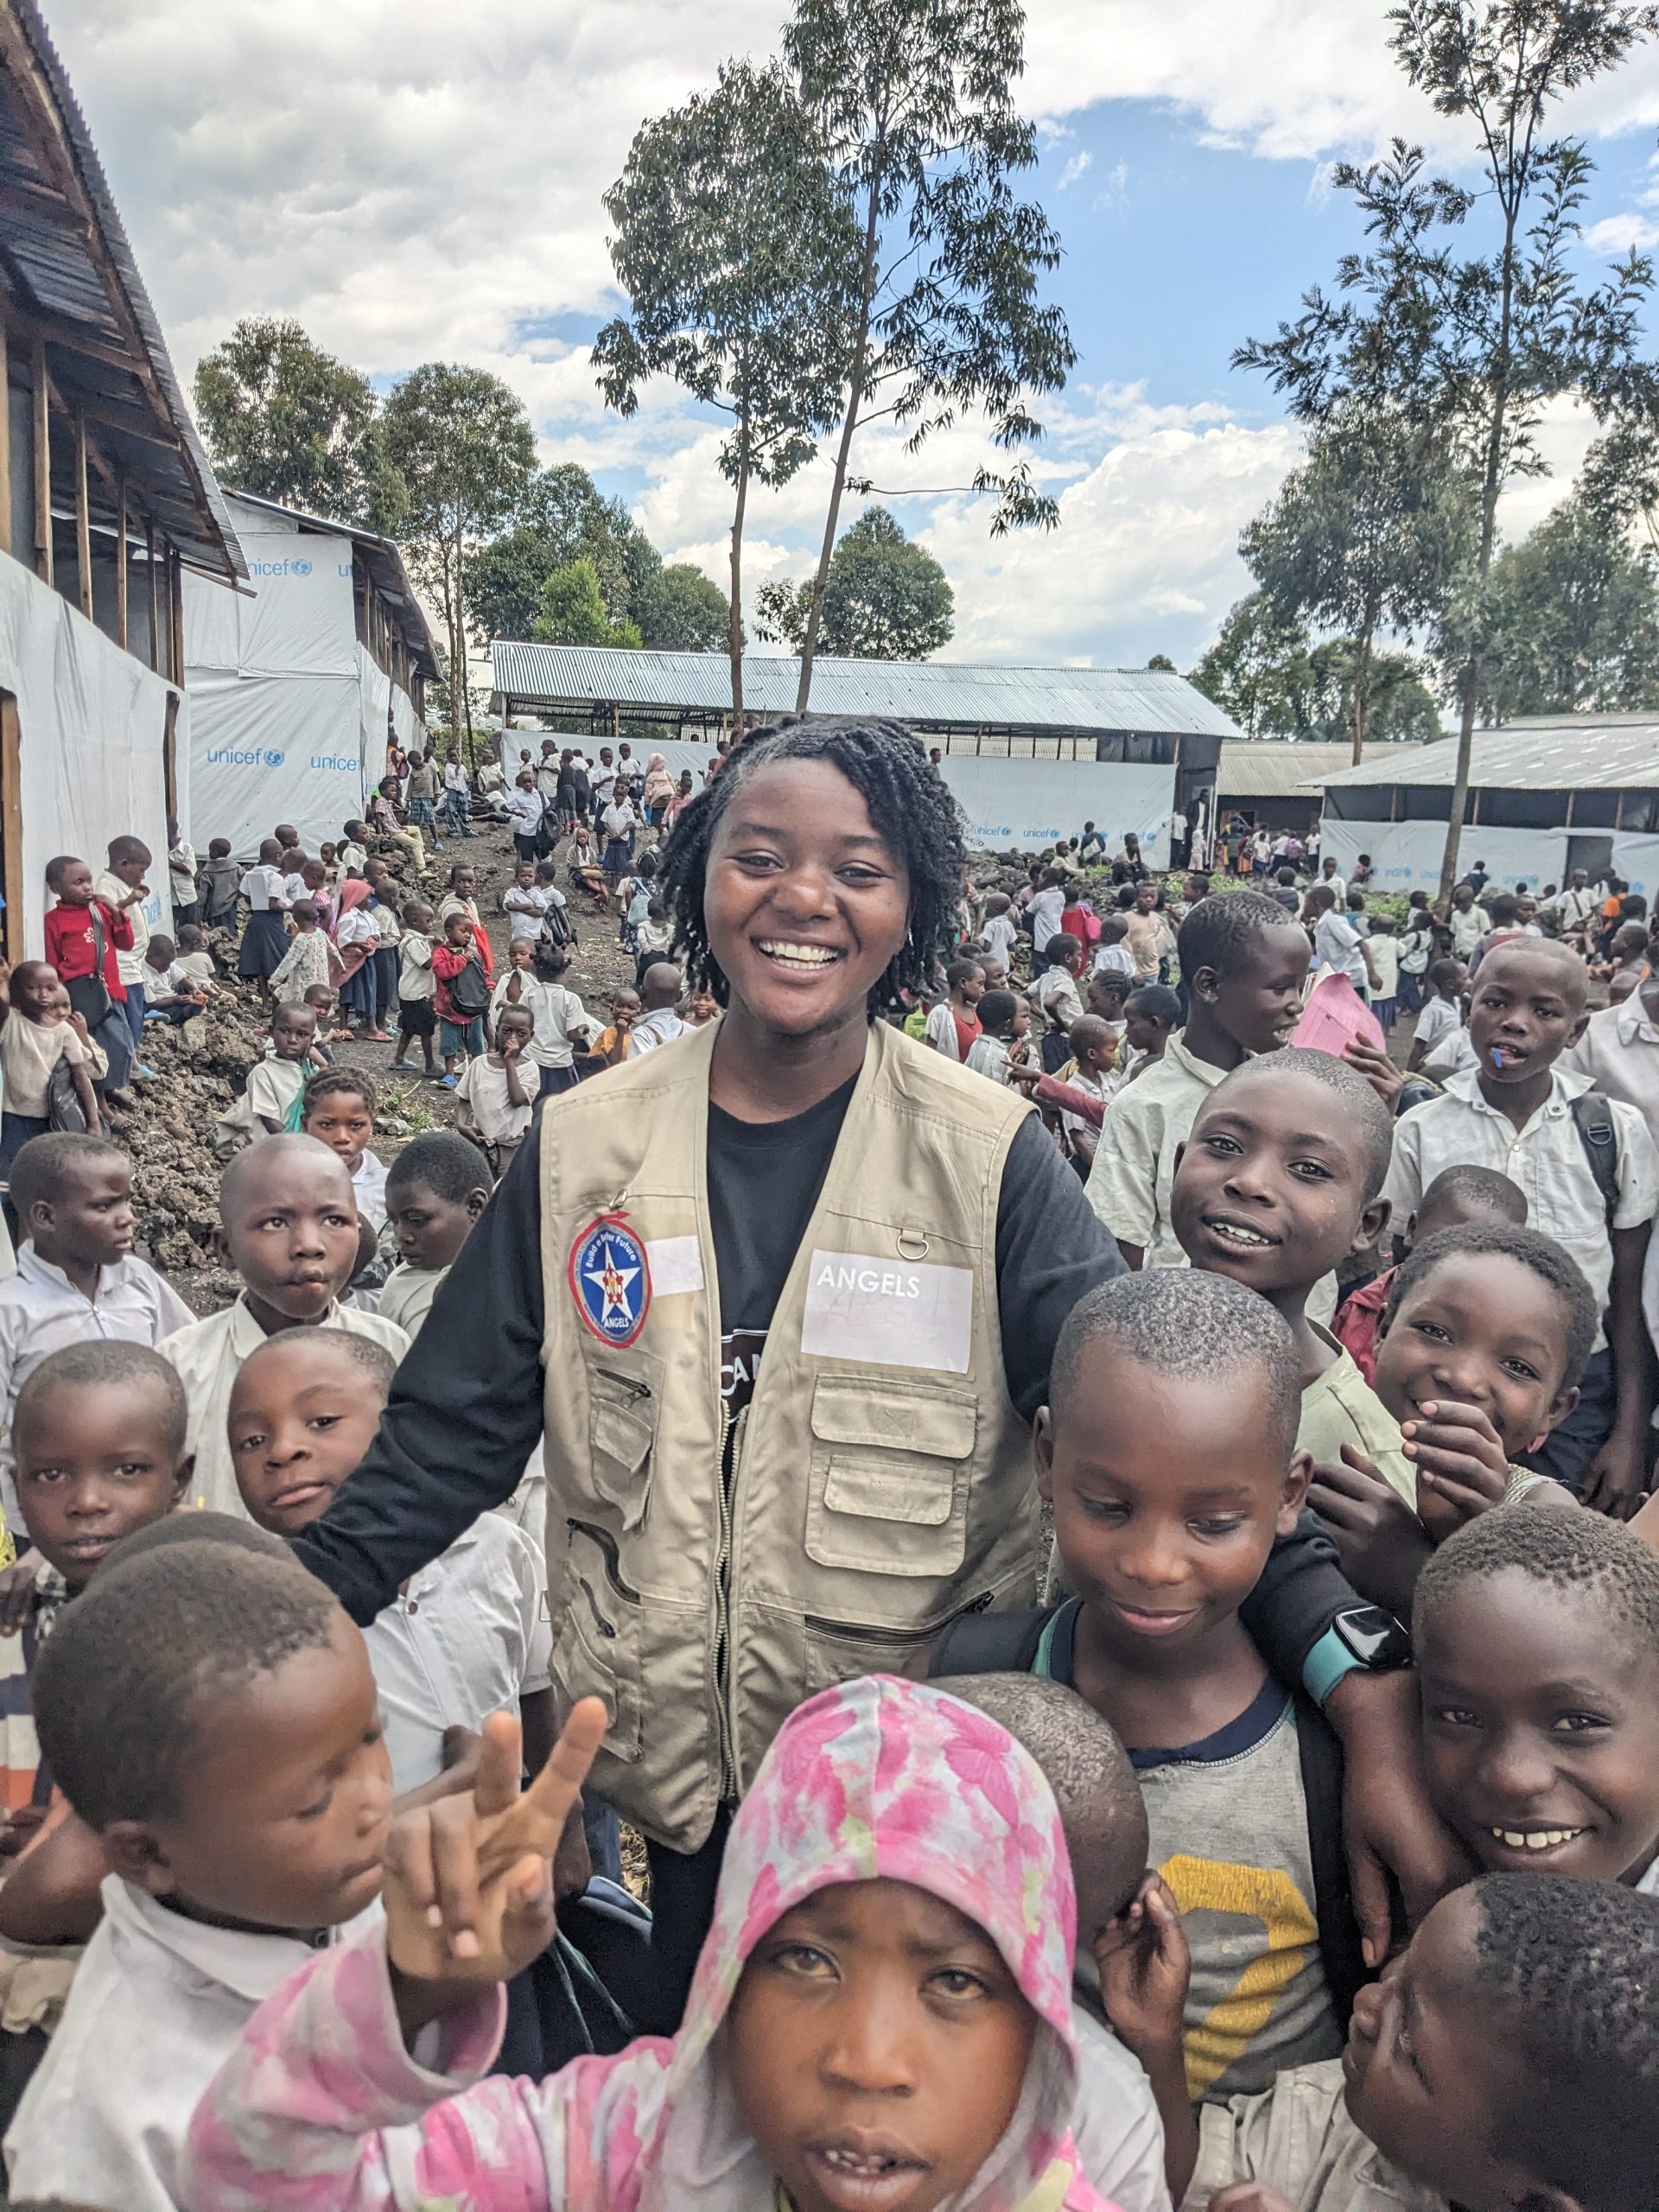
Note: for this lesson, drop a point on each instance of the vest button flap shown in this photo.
(625, 1394)
(888, 1487)
(597, 1639)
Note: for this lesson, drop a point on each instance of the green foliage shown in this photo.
(1264, 672)
(461, 440)
(561, 517)
(1476, 339)
(1574, 620)
(573, 612)
(887, 600)
(1368, 534)
(1161, 665)
(914, 100)
(285, 421)
(680, 610)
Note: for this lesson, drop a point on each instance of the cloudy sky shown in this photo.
(415, 180)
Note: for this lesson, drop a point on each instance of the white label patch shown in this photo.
(676, 1264)
(892, 1312)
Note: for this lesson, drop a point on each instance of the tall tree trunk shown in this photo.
(855, 400)
(1362, 691)
(460, 639)
(735, 615)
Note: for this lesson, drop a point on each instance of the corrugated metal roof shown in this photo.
(65, 260)
(1619, 753)
(384, 563)
(921, 692)
(1266, 770)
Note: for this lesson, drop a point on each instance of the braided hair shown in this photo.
(909, 805)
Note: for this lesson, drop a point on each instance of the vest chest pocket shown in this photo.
(624, 1397)
(596, 1637)
(887, 1489)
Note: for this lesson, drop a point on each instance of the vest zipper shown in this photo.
(604, 1626)
(869, 1632)
(631, 1383)
(722, 1625)
(613, 1557)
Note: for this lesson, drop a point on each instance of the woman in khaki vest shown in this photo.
(782, 1297)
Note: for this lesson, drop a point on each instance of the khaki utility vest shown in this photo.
(870, 1501)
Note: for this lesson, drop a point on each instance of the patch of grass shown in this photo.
(407, 1104)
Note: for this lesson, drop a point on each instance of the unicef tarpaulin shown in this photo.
(1407, 856)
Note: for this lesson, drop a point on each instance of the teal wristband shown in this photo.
(1327, 1664)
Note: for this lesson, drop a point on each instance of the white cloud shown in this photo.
(1077, 166)
(413, 182)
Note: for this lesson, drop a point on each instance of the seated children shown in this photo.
(1278, 1180)
(194, 961)
(338, 1108)
(1483, 1337)
(274, 1083)
(78, 1278)
(1004, 1031)
(829, 1895)
(436, 1190)
(169, 994)
(310, 959)
(1168, 1454)
(288, 1225)
(468, 1636)
(1244, 962)
(216, 886)
(494, 1097)
(417, 1012)
(1537, 1660)
(952, 1026)
(34, 1035)
(1458, 1198)
(1518, 1112)
(211, 1715)
(1505, 2060)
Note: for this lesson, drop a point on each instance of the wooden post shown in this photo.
(83, 520)
(154, 609)
(5, 445)
(42, 465)
(121, 564)
(177, 611)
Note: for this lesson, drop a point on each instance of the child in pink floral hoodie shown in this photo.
(880, 2021)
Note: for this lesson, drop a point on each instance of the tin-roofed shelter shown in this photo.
(1266, 783)
(297, 681)
(1031, 752)
(1547, 794)
(105, 498)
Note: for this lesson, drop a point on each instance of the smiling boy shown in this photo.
(1518, 1112)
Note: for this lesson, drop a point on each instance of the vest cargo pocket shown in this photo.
(596, 1636)
(887, 1490)
(624, 1394)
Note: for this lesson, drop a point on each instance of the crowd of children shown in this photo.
(1151, 1861)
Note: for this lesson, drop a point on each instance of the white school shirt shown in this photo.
(273, 1085)
(1336, 944)
(181, 867)
(988, 1056)
(1115, 2122)
(130, 964)
(1385, 959)
(408, 1296)
(1000, 937)
(526, 808)
(158, 2003)
(262, 887)
(940, 1032)
(209, 1356)
(1045, 910)
(1114, 960)
(484, 1090)
(468, 1636)
(415, 976)
(1056, 993)
(369, 1188)
(41, 1310)
(454, 777)
(1416, 946)
(659, 1028)
(559, 1016)
(1620, 1052)
(1467, 928)
(525, 905)
(603, 783)
(1439, 1018)
(1545, 1158)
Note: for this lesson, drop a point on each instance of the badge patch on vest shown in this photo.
(610, 1280)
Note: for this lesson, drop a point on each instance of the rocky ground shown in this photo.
(199, 1069)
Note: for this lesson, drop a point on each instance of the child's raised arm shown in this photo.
(1145, 1966)
(321, 2108)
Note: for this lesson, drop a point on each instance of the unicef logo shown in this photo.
(279, 567)
(300, 568)
(275, 759)
(229, 757)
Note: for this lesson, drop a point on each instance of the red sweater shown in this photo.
(69, 943)
(448, 960)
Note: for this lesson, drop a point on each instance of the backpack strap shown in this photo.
(1592, 1117)
(989, 1643)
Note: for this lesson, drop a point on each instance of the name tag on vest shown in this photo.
(891, 1313)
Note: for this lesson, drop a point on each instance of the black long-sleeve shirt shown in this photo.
(466, 1406)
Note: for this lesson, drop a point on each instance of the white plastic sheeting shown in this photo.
(1024, 805)
(1637, 860)
(92, 723)
(1407, 856)
(289, 712)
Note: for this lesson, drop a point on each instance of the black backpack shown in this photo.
(1594, 1118)
(470, 993)
(556, 930)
